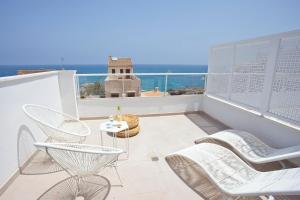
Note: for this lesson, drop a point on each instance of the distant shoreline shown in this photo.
(105, 65)
(10, 70)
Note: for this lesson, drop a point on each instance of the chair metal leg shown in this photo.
(282, 164)
(77, 179)
(118, 175)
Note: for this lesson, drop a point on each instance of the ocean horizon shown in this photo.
(147, 82)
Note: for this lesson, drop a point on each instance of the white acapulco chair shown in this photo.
(251, 148)
(56, 125)
(232, 176)
(83, 163)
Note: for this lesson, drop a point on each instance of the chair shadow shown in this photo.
(208, 124)
(33, 161)
(91, 187)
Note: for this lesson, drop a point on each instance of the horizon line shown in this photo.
(1, 65)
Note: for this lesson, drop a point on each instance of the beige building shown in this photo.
(116, 84)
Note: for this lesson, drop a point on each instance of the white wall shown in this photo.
(139, 105)
(271, 132)
(41, 88)
(68, 92)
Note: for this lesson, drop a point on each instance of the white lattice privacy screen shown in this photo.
(262, 74)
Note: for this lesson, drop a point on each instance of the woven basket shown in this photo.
(131, 132)
(132, 120)
(133, 125)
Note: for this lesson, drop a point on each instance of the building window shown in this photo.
(114, 94)
(127, 72)
(113, 71)
(130, 94)
(121, 71)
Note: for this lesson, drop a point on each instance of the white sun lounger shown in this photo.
(251, 148)
(233, 176)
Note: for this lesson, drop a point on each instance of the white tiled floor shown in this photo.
(142, 177)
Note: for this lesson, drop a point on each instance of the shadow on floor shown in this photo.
(90, 187)
(206, 122)
(32, 161)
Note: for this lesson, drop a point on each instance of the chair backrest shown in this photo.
(44, 114)
(81, 159)
(57, 125)
(252, 148)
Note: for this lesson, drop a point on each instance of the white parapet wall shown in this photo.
(16, 128)
(68, 92)
(274, 133)
(90, 108)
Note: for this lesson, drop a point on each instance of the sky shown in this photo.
(37, 32)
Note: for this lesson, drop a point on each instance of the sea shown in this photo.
(147, 82)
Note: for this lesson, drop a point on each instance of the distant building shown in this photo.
(116, 84)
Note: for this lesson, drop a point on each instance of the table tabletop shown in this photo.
(113, 126)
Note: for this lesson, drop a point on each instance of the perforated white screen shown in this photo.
(219, 74)
(249, 73)
(285, 96)
(262, 73)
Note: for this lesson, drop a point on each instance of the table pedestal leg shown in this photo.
(127, 142)
(114, 140)
(101, 138)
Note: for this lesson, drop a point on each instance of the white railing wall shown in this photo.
(103, 107)
(68, 90)
(261, 74)
(202, 78)
(167, 104)
(17, 130)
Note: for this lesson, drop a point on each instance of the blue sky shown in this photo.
(154, 31)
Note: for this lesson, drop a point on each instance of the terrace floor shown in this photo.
(142, 178)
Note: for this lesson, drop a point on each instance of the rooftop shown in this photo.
(119, 62)
(142, 177)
